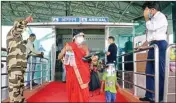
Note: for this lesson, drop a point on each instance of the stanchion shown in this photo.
(30, 62)
(167, 66)
(30, 71)
(156, 76)
(156, 50)
(123, 69)
(47, 72)
(134, 75)
(41, 74)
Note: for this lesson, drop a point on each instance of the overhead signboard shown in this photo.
(80, 19)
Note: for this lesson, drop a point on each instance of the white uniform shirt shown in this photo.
(30, 48)
(157, 27)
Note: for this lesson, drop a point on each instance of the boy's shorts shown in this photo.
(110, 97)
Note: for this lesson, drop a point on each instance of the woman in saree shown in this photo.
(77, 73)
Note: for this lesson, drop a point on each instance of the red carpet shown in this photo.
(56, 92)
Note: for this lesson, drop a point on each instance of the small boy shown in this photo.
(111, 85)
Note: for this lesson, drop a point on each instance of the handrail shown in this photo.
(136, 61)
(156, 60)
(3, 49)
(137, 85)
(3, 60)
(167, 65)
(38, 56)
(41, 69)
(136, 73)
(30, 71)
(136, 51)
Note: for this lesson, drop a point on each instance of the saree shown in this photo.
(77, 77)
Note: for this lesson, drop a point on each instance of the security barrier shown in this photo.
(42, 61)
(156, 60)
(168, 76)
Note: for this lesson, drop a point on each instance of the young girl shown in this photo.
(111, 85)
(94, 78)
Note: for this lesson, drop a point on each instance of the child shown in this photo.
(94, 78)
(110, 81)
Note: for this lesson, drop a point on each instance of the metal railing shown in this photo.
(41, 69)
(167, 72)
(156, 60)
(41, 62)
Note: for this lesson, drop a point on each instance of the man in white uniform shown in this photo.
(32, 54)
(156, 24)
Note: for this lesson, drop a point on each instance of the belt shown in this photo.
(153, 41)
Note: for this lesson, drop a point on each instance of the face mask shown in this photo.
(149, 15)
(79, 40)
(110, 71)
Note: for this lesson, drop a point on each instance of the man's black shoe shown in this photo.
(144, 99)
(151, 101)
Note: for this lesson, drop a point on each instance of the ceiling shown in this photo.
(43, 11)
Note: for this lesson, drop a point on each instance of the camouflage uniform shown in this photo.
(16, 61)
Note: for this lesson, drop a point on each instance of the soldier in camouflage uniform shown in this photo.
(16, 60)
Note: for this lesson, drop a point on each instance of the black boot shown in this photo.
(144, 99)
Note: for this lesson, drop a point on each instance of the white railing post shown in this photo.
(123, 71)
(134, 75)
(47, 71)
(156, 54)
(41, 71)
(167, 68)
(31, 71)
(52, 65)
(166, 74)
